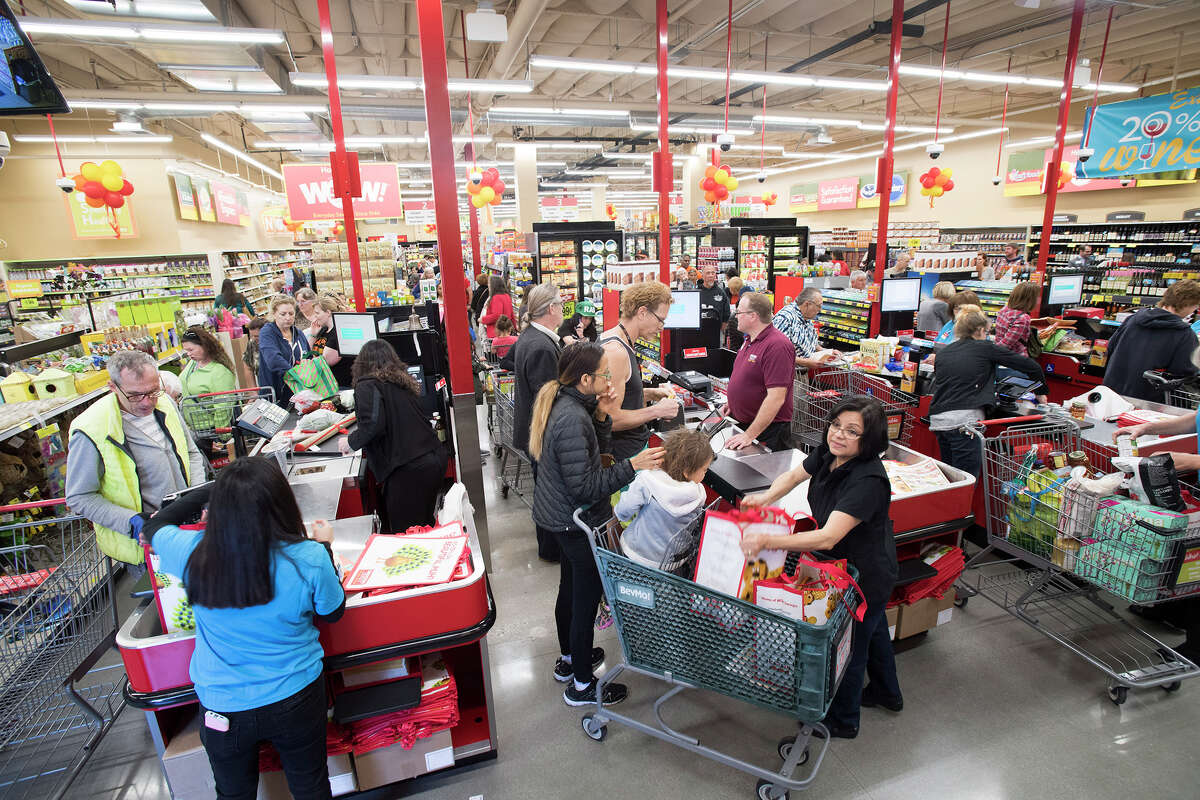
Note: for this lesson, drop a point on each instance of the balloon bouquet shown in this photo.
(717, 183)
(485, 187)
(104, 186)
(770, 198)
(936, 182)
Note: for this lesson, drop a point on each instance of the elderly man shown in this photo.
(858, 280)
(795, 321)
(761, 386)
(127, 451)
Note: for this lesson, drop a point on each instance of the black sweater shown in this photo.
(392, 429)
(964, 375)
(1153, 338)
(534, 362)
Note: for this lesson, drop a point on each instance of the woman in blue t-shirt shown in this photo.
(256, 584)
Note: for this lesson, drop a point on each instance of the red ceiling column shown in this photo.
(883, 178)
(1060, 132)
(665, 170)
(344, 165)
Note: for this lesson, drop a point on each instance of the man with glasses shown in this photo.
(796, 321)
(761, 386)
(126, 452)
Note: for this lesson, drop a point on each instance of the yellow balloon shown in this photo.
(949, 173)
(722, 177)
(733, 184)
(110, 167)
(91, 171)
(477, 201)
(112, 182)
(486, 194)
(937, 191)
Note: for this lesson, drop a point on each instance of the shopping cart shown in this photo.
(515, 473)
(57, 618)
(1181, 390)
(1058, 547)
(815, 396)
(210, 416)
(495, 381)
(674, 630)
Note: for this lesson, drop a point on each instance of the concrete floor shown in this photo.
(992, 710)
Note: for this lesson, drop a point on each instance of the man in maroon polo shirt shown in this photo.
(760, 389)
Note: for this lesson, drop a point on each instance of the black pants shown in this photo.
(294, 725)
(871, 657)
(776, 436)
(579, 593)
(961, 450)
(547, 542)
(410, 493)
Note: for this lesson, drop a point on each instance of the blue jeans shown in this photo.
(961, 450)
(870, 656)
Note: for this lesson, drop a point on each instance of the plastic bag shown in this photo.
(306, 401)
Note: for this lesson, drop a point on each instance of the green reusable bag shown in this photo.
(312, 373)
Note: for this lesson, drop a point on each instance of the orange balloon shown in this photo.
(710, 171)
(710, 197)
(80, 182)
(472, 188)
(95, 202)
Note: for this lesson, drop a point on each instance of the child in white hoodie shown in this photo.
(662, 502)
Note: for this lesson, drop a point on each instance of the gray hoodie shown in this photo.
(660, 507)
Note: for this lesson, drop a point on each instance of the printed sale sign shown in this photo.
(837, 194)
(310, 192)
(1147, 134)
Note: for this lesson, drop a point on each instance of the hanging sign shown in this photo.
(1074, 181)
(839, 193)
(1125, 216)
(802, 198)
(1065, 218)
(185, 201)
(310, 194)
(869, 198)
(204, 200)
(1147, 134)
(96, 223)
(226, 202)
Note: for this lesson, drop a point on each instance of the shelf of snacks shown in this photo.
(909, 234)
(253, 271)
(520, 274)
(722, 258)
(377, 266)
(844, 317)
(993, 295)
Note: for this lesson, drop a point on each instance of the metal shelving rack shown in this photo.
(253, 271)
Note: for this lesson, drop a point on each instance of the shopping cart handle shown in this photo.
(1161, 379)
(58, 501)
(231, 391)
(1011, 420)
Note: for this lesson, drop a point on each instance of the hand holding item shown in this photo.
(756, 500)
(322, 531)
(135, 525)
(738, 441)
(1133, 430)
(344, 446)
(753, 543)
(667, 408)
(650, 458)
(1042, 399)
(1185, 462)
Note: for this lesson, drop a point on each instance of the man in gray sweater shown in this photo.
(126, 452)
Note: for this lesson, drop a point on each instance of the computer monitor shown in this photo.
(901, 294)
(1065, 290)
(684, 313)
(353, 331)
(25, 85)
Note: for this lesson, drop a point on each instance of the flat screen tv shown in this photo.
(25, 85)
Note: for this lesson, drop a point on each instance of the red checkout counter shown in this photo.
(453, 619)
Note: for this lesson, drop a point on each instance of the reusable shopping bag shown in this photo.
(312, 373)
(720, 564)
(811, 593)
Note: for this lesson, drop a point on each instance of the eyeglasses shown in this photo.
(137, 397)
(661, 320)
(606, 375)
(849, 433)
(740, 313)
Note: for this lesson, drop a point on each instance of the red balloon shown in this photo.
(114, 199)
(126, 188)
(934, 171)
(709, 185)
(490, 176)
(710, 197)
(728, 170)
(948, 185)
(498, 187)
(94, 190)
(721, 192)
(926, 181)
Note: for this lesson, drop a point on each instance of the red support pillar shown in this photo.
(1064, 112)
(666, 175)
(343, 167)
(478, 263)
(883, 177)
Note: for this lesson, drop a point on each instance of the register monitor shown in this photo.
(1065, 290)
(353, 331)
(901, 294)
(684, 313)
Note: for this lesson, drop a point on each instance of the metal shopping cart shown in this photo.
(674, 630)
(815, 396)
(57, 618)
(1181, 390)
(211, 415)
(515, 473)
(1059, 547)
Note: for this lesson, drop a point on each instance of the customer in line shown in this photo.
(797, 321)
(849, 494)
(250, 357)
(761, 386)
(499, 304)
(323, 339)
(208, 370)
(858, 280)
(839, 263)
(126, 452)
(479, 297)
(233, 300)
(396, 436)
(577, 329)
(305, 299)
(504, 337)
(1014, 330)
(572, 419)
(1155, 338)
(281, 346)
(933, 312)
(962, 300)
(984, 271)
(900, 267)
(964, 389)
(257, 584)
(643, 312)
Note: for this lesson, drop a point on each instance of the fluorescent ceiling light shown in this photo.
(206, 34)
(217, 143)
(210, 67)
(1069, 137)
(173, 9)
(549, 185)
(611, 173)
(556, 145)
(105, 105)
(561, 112)
(628, 156)
(1010, 78)
(479, 138)
(784, 119)
(703, 130)
(278, 116)
(66, 27)
(401, 83)
(94, 139)
(211, 108)
(484, 85)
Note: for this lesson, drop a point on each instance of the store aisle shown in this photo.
(992, 710)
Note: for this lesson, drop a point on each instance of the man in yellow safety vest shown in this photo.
(126, 452)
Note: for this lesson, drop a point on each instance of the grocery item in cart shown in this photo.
(720, 564)
(811, 593)
(390, 561)
(1153, 480)
(1033, 511)
(920, 476)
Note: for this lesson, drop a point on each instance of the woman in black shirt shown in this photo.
(849, 495)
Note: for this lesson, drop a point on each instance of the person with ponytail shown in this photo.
(571, 426)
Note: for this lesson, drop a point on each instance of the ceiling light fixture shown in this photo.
(560, 112)
(401, 83)
(556, 145)
(1004, 77)
(785, 119)
(41, 139)
(203, 34)
(217, 143)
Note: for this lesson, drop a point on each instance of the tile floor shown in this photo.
(992, 710)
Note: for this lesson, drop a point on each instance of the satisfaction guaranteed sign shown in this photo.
(1148, 134)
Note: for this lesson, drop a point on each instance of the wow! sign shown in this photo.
(1149, 134)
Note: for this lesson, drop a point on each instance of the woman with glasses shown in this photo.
(208, 370)
(849, 495)
(572, 422)
(643, 313)
(281, 346)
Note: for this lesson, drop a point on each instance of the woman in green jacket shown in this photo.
(208, 370)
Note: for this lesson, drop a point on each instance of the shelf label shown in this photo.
(1058, 218)
(31, 288)
(1125, 216)
(695, 352)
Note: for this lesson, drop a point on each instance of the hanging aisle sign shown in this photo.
(310, 194)
(185, 201)
(1148, 134)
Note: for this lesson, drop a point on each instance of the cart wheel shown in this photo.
(504, 491)
(498, 450)
(785, 750)
(1173, 686)
(767, 791)
(594, 731)
(961, 602)
(1118, 694)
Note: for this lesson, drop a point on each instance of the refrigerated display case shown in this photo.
(688, 241)
(768, 247)
(573, 255)
(641, 240)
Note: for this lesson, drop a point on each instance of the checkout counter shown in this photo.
(452, 618)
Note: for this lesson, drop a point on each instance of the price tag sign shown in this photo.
(914, 242)
(25, 288)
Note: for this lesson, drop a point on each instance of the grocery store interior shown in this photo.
(359, 242)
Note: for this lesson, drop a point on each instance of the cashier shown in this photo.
(849, 495)
(761, 386)
(256, 584)
(128, 451)
(714, 307)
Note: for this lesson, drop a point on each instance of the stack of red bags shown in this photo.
(438, 710)
(949, 563)
(337, 740)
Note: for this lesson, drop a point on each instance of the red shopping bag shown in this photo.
(811, 593)
(720, 564)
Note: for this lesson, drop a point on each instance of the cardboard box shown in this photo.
(945, 607)
(273, 785)
(186, 765)
(394, 763)
(916, 618)
(893, 616)
(379, 672)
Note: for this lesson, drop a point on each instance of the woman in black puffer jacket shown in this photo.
(570, 428)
